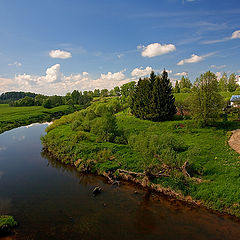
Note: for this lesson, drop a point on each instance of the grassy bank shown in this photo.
(11, 117)
(143, 147)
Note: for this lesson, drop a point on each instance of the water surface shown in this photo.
(54, 201)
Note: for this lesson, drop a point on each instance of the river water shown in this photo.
(53, 201)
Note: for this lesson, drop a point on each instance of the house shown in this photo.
(235, 101)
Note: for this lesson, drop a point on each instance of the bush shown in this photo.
(81, 136)
(105, 128)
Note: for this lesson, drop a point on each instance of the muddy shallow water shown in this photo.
(54, 201)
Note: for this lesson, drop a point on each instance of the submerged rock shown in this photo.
(97, 190)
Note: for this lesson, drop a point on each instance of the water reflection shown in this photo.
(84, 179)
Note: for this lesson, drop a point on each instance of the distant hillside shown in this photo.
(8, 97)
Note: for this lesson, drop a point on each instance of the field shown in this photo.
(11, 117)
(211, 161)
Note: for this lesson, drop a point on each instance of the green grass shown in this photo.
(11, 117)
(206, 149)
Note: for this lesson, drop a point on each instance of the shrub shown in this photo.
(105, 128)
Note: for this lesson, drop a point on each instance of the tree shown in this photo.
(104, 93)
(232, 83)
(127, 88)
(105, 127)
(96, 93)
(206, 103)
(75, 96)
(185, 83)
(177, 88)
(163, 106)
(223, 83)
(140, 103)
(153, 99)
(47, 103)
(117, 91)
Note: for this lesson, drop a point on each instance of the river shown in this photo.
(53, 201)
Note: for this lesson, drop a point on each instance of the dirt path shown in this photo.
(234, 141)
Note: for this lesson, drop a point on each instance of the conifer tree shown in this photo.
(223, 83)
(177, 88)
(141, 99)
(162, 99)
(153, 98)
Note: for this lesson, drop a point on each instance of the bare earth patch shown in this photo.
(234, 141)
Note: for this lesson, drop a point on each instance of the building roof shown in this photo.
(235, 98)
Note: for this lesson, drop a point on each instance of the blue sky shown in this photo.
(53, 47)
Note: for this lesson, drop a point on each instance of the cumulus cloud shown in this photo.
(17, 64)
(60, 54)
(141, 72)
(53, 74)
(194, 59)
(156, 49)
(181, 74)
(110, 80)
(55, 82)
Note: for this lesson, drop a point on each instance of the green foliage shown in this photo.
(177, 88)
(232, 83)
(6, 223)
(153, 98)
(223, 83)
(104, 93)
(206, 103)
(185, 83)
(8, 97)
(127, 88)
(105, 128)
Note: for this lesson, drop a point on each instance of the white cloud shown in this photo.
(53, 74)
(55, 82)
(235, 34)
(218, 67)
(181, 74)
(194, 59)
(17, 64)
(110, 80)
(60, 54)
(140, 72)
(156, 49)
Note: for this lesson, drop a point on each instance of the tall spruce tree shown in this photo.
(153, 98)
(162, 99)
(141, 99)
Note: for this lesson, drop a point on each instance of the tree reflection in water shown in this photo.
(84, 178)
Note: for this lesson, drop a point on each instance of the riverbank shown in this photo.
(176, 158)
(12, 117)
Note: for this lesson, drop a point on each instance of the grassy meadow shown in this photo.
(145, 143)
(11, 117)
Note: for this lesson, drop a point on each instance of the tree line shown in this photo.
(224, 84)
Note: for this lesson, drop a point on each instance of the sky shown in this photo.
(54, 47)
